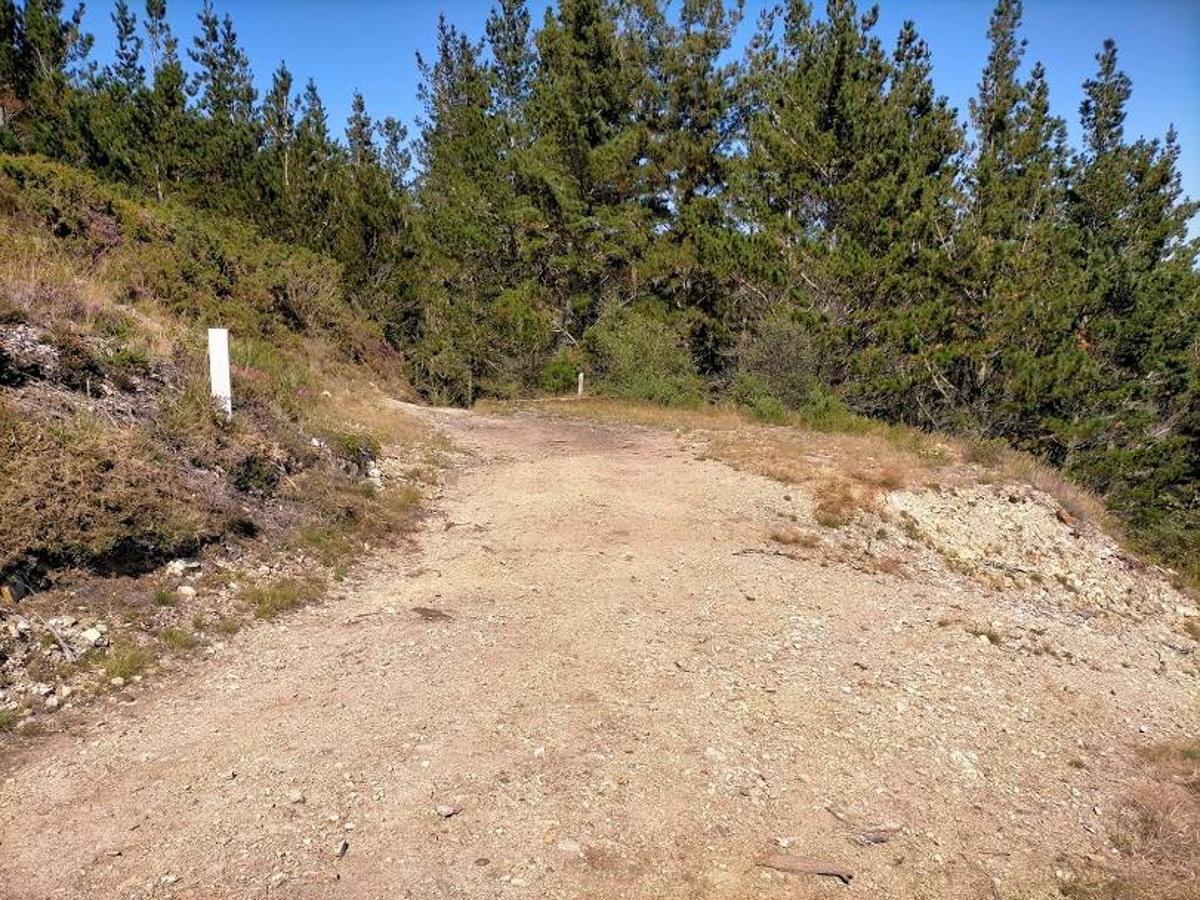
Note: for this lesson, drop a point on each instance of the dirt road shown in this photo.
(579, 683)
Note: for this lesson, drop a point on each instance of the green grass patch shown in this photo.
(126, 661)
(177, 639)
(271, 599)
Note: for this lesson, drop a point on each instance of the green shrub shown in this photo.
(643, 357)
(789, 357)
(357, 447)
(823, 410)
(255, 473)
(751, 393)
(560, 374)
(769, 410)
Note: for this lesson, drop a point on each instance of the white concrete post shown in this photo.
(579, 390)
(218, 369)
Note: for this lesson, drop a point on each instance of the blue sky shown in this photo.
(370, 45)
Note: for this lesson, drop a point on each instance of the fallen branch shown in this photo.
(800, 865)
(748, 551)
(68, 653)
(865, 835)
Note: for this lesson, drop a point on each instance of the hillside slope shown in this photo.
(113, 461)
(624, 664)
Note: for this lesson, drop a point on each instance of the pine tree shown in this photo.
(372, 229)
(127, 70)
(395, 156)
(912, 239)
(279, 110)
(11, 104)
(1015, 309)
(51, 54)
(586, 168)
(459, 152)
(314, 172)
(170, 128)
(692, 122)
(512, 56)
(224, 88)
(1135, 428)
(223, 84)
(360, 134)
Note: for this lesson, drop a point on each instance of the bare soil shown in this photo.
(598, 676)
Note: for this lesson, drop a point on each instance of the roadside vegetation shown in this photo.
(1156, 833)
(114, 462)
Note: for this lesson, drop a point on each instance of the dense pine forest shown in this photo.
(807, 228)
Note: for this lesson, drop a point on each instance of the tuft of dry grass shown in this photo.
(1178, 763)
(891, 565)
(1156, 833)
(794, 537)
(985, 631)
(839, 502)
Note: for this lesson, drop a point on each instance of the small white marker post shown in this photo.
(218, 369)
(579, 390)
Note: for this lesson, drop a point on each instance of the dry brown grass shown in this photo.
(85, 492)
(839, 502)
(352, 407)
(794, 537)
(891, 565)
(1156, 833)
(1177, 763)
(1014, 465)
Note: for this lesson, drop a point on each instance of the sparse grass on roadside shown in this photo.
(1156, 833)
(1179, 763)
(126, 661)
(229, 625)
(177, 639)
(271, 599)
(350, 514)
(164, 596)
(8, 720)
